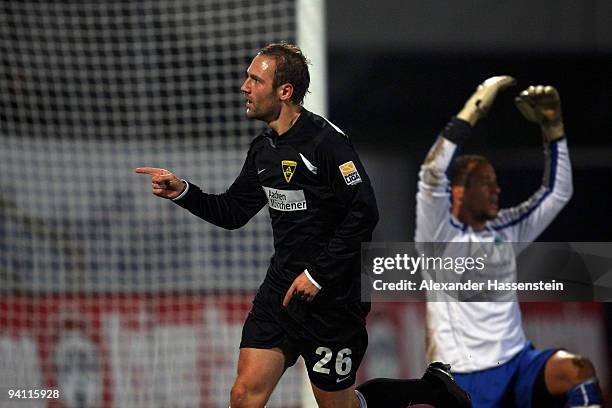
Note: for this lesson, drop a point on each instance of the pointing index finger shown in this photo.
(153, 171)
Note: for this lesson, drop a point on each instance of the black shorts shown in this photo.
(332, 340)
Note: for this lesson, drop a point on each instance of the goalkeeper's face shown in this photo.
(261, 98)
(481, 194)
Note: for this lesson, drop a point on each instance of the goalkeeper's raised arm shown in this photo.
(434, 220)
(541, 104)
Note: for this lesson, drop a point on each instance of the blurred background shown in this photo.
(118, 299)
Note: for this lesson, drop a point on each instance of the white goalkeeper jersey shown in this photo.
(473, 336)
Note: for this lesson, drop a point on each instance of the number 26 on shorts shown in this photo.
(343, 361)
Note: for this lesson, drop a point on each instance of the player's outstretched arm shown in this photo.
(433, 202)
(526, 221)
(163, 183)
(230, 210)
(541, 104)
(478, 105)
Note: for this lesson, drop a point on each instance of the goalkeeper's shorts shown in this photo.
(332, 339)
(510, 384)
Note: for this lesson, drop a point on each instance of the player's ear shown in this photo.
(457, 195)
(285, 92)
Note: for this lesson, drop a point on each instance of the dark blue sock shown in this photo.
(585, 394)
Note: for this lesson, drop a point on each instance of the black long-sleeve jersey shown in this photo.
(321, 203)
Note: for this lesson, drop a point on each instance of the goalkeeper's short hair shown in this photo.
(291, 67)
(463, 166)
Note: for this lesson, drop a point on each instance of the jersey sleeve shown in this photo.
(433, 206)
(233, 208)
(343, 171)
(526, 221)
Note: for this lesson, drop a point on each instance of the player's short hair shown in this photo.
(463, 166)
(291, 67)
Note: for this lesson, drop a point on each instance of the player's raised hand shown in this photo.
(301, 287)
(163, 182)
(478, 105)
(542, 105)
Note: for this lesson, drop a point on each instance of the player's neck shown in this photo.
(286, 119)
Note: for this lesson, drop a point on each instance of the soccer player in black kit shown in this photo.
(322, 207)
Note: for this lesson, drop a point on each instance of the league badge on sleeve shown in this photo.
(350, 173)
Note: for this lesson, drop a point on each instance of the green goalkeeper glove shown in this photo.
(480, 102)
(542, 105)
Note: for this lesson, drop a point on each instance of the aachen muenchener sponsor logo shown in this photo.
(285, 200)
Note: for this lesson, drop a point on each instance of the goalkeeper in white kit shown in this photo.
(484, 341)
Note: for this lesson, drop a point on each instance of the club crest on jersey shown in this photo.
(288, 167)
(350, 173)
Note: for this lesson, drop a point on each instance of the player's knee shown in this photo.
(583, 369)
(243, 396)
(239, 395)
(577, 369)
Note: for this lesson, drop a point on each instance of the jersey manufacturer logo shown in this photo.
(311, 167)
(288, 167)
(350, 173)
(285, 200)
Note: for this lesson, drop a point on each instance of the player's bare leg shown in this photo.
(336, 399)
(565, 371)
(259, 370)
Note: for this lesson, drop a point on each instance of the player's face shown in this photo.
(261, 99)
(481, 195)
